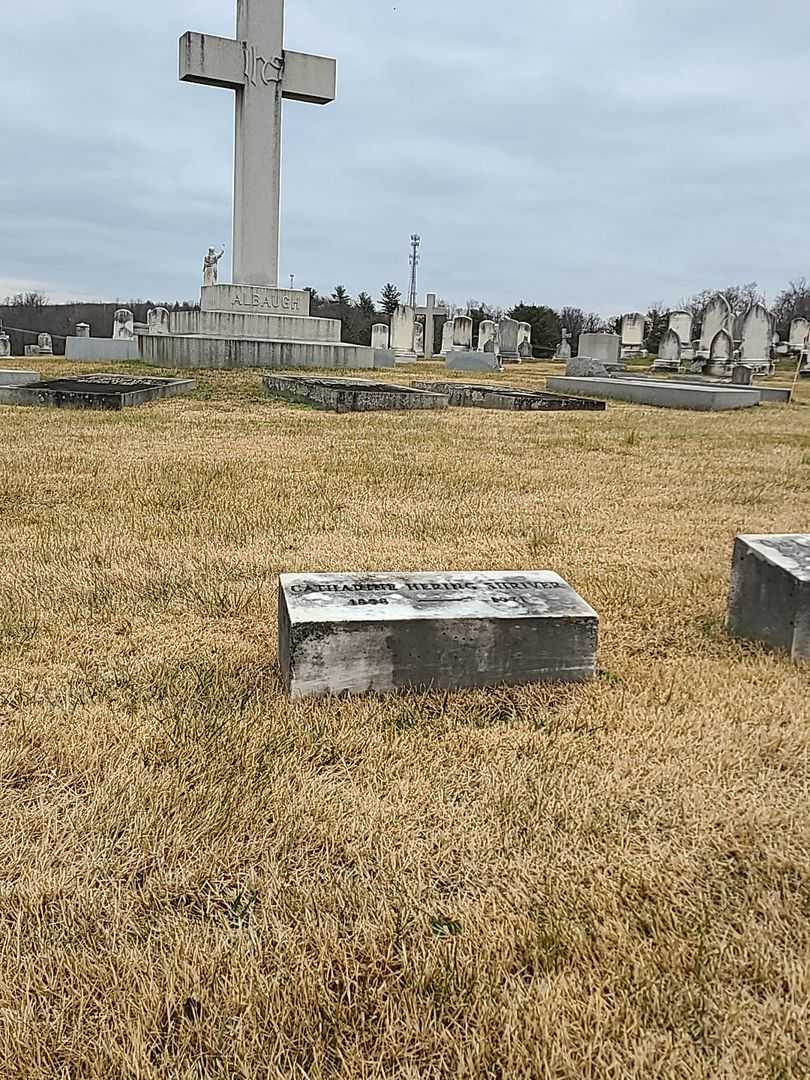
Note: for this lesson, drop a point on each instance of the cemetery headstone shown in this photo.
(603, 347)
(32, 350)
(102, 391)
(403, 332)
(681, 323)
(45, 345)
(487, 336)
(721, 355)
(355, 633)
(419, 339)
(799, 331)
(716, 317)
(564, 348)
(18, 378)
(5, 346)
(431, 311)
(757, 338)
(585, 367)
(123, 325)
(742, 375)
(632, 344)
(508, 340)
(157, 321)
(770, 592)
(496, 396)
(380, 336)
(472, 361)
(83, 330)
(462, 333)
(669, 353)
(525, 341)
(447, 337)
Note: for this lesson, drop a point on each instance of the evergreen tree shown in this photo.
(390, 299)
(341, 297)
(366, 304)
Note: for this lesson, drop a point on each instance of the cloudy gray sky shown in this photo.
(598, 153)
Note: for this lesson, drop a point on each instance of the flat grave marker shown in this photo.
(770, 591)
(382, 632)
(664, 394)
(18, 378)
(102, 391)
(494, 396)
(350, 395)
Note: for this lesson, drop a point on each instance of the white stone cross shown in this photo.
(430, 311)
(262, 73)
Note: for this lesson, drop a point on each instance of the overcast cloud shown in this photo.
(598, 153)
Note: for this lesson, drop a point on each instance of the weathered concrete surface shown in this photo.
(255, 300)
(18, 378)
(770, 592)
(103, 391)
(777, 395)
(472, 361)
(351, 395)
(224, 353)
(228, 324)
(354, 633)
(667, 395)
(92, 349)
(493, 396)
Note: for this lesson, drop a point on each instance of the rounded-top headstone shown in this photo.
(508, 339)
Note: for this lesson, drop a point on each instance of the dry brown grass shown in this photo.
(202, 880)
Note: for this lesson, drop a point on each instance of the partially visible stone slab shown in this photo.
(18, 378)
(351, 395)
(472, 361)
(106, 349)
(493, 396)
(354, 633)
(667, 395)
(770, 592)
(775, 394)
(226, 353)
(102, 391)
(586, 367)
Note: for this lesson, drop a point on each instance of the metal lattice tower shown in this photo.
(414, 260)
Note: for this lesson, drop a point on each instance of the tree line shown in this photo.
(31, 312)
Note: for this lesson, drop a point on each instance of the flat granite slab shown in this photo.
(18, 378)
(663, 393)
(493, 396)
(776, 394)
(351, 395)
(102, 391)
(770, 591)
(354, 633)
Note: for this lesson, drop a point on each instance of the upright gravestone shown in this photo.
(799, 331)
(403, 332)
(355, 633)
(669, 352)
(83, 329)
(716, 317)
(431, 311)
(525, 341)
(742, 375)
(721, 355)
(770, 592)
(681, 323)
(462, 333)
(157, 321)
(508, 341)
(45, 345)
(447, 337)
(487, 335)
(564, 348)
(5, 346)
(757, 338)
(603, 347)
(419, 339)
(380, 336)
(123, 325)
(632, 335)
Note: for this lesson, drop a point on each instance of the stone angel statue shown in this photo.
(210, 266)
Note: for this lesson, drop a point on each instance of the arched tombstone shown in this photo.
(525, 341)
(716, 317)
(5, 346)
(564, 348)
(799, 330)
(447, 337)
(633, 326)
(403, 331)
(487, 335)
(508, 339)
(462, 333)
(681, 323)
(721, 355)
(380, 336)
(669, 352)
(157, 321)
(45, 345)
(757, 339)
(419, 339)
(82, 329)
(123, 325)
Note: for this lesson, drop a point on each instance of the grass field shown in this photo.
(199, 879)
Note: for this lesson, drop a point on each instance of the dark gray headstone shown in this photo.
(770, 592)
(353, 633)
